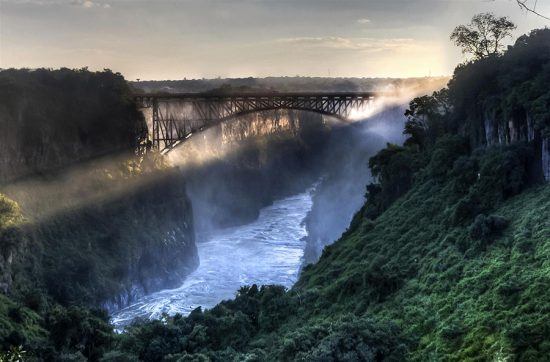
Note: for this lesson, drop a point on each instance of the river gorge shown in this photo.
(256, 235)
(266, 251)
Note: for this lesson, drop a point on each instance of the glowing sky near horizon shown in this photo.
(168, 39)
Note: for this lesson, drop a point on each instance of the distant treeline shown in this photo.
(52, 118)
(292, 84)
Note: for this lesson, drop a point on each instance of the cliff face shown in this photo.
(522, 128)
(505, 99)
(158, 227)
(54, 118)
(114, 251)
(103, 227)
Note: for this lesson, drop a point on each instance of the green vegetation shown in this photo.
(53, 118)
(55, 270)
(447, 260)
(456, 292)
(93, 235)
(87, 261)
(414, 283)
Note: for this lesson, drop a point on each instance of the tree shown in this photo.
(483, 36)
(425, 118)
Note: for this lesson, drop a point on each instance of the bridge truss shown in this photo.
(177, 116)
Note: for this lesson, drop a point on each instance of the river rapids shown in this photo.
(266, 251)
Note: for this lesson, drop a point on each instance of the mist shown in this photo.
(341, 191)
(279, 184)
(235, 169)
(340, 194)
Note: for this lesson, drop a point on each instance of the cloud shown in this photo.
(88, 4)
(363, 21)
(84, 3)
(356, 44)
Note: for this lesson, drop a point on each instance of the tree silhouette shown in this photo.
(483, 36)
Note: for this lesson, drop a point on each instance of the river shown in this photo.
(266, 251)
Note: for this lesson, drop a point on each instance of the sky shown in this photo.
(170, 39)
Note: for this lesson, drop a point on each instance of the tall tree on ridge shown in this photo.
(484, 35)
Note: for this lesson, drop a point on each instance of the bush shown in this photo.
(346, 339)
(503, 173)
(117, 356)
(15, 354)
(79, 329)
(487, 227)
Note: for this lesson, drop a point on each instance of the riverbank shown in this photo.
(268, 250)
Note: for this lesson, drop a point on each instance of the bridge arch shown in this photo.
(176, 117)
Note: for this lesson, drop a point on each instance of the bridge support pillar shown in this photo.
(156, 125)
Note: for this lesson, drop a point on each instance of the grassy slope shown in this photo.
(454, 298)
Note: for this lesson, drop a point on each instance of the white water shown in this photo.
(266, 251)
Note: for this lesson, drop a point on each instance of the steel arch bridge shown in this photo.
(177, 116)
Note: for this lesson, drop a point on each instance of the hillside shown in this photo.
(447, 260)
(412, 283)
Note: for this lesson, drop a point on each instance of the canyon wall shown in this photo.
(108, 252)
(96, 225)
(51, 119)
(498, 130)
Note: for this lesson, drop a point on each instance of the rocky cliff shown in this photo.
(101, 226)
(504, 100)
(109, 252)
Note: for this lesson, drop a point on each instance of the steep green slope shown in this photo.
(453, 295)
(416, 283)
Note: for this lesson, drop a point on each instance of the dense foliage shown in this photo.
(509, 89)
(494, 100)
(52, 118)
(95, 233)
(55, 269)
